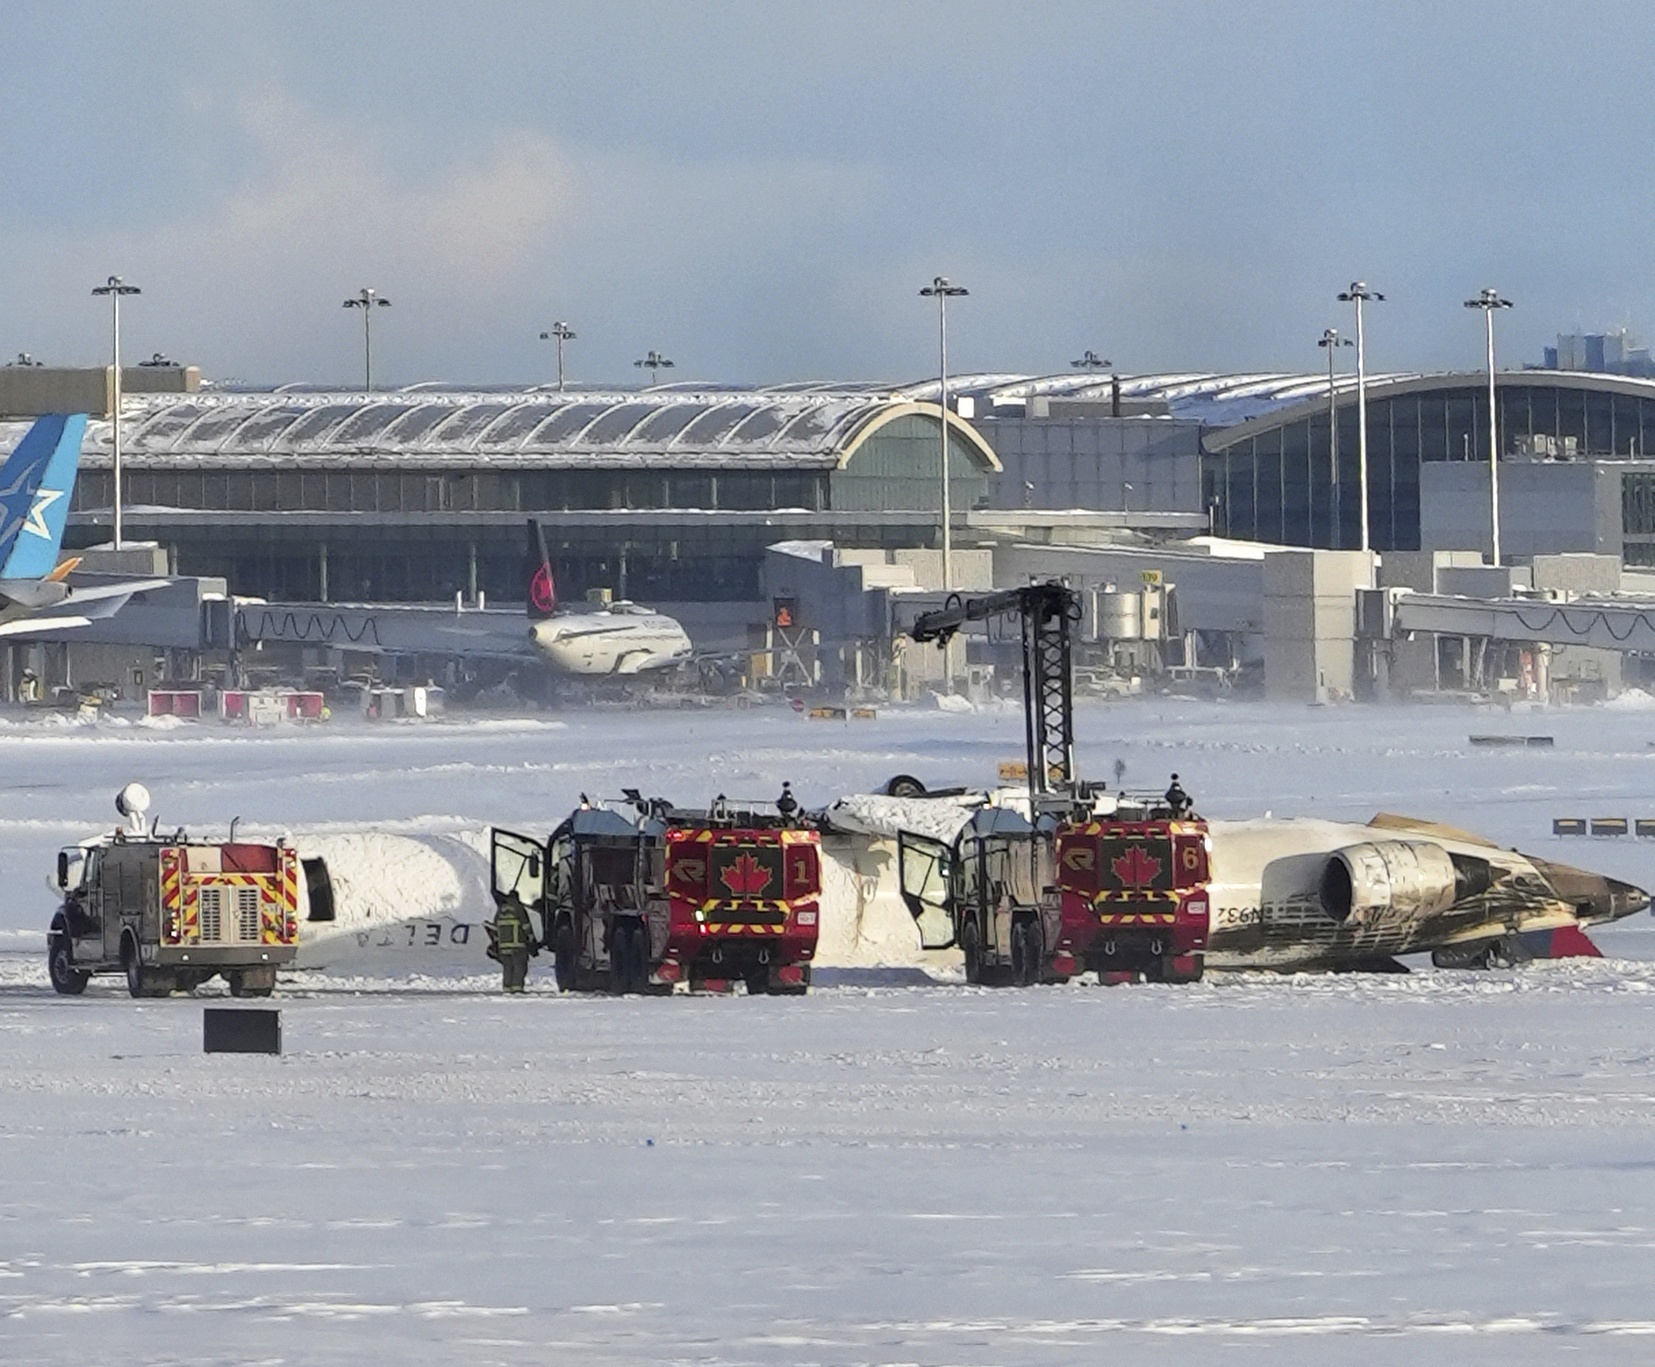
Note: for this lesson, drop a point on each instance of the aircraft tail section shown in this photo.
(1563, 942)
(35, 484)
(542, 587)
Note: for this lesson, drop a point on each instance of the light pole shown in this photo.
(1332, 341)
(654, 363)
(115, 288)
(1358, 294)
(1091, 361)
(560, 333)
(367, 300)
(940, 290)
(1488, 301)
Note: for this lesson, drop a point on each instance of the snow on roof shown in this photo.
(529, 428)
(1216, 400)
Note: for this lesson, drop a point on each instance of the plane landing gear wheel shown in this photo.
(1479, 957)
(1028, 952)
(67, 980)
(563, 957)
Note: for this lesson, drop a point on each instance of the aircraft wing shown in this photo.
(46, 607)
(122, 590)
(24, 626)
(1391, 821)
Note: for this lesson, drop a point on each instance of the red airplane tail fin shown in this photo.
(542, 587)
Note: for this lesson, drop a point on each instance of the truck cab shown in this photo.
(986, 890)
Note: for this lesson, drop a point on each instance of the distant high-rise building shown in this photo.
(1600, 353)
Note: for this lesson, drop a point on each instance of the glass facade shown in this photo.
(484, 491)
(1279, 485)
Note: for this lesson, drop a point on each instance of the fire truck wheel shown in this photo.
(1176, 968)
(629, 957)
(758, 984)
(973, 951)
(563, 956)
(60, 963)
(141, 981)
(1027, 952)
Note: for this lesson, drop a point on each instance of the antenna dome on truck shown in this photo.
(132, 801)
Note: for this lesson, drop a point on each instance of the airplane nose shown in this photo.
(1594, 897)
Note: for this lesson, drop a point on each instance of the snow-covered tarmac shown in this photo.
(890, 1170)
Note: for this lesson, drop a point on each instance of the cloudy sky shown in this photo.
(759, 189)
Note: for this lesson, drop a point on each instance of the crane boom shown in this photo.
(1047, 613)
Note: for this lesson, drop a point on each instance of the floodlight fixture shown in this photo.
(367, 300)
(1489, 301)
(560, 332)
(942, 290)
(1360, 294)
(1332, 341)
(117, 289)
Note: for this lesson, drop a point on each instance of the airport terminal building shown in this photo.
(673, 494)
(416, 495)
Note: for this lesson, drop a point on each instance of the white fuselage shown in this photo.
(618, 640)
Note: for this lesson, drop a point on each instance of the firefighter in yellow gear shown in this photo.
(513, 942)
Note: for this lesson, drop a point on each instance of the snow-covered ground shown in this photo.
(891, 1170)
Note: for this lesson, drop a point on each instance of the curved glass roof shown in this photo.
(676, 425)
(1216, 400)
(672, 426)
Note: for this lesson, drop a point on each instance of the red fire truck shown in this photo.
(1131, 874)
(1133, 887)
(640, 895)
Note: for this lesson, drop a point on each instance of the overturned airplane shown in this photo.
(1286, 895)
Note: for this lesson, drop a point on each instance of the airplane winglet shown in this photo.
(64, 570)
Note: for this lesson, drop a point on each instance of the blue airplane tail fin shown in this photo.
(35, 484)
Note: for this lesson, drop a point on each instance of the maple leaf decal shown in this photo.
(541, 592)
(745, 876)
(1136, 868)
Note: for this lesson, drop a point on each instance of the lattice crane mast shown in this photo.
(1047, 613)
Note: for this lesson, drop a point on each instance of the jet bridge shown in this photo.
(1603, 623)
(378, 629)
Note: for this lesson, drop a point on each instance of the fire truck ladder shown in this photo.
(1048, 613)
